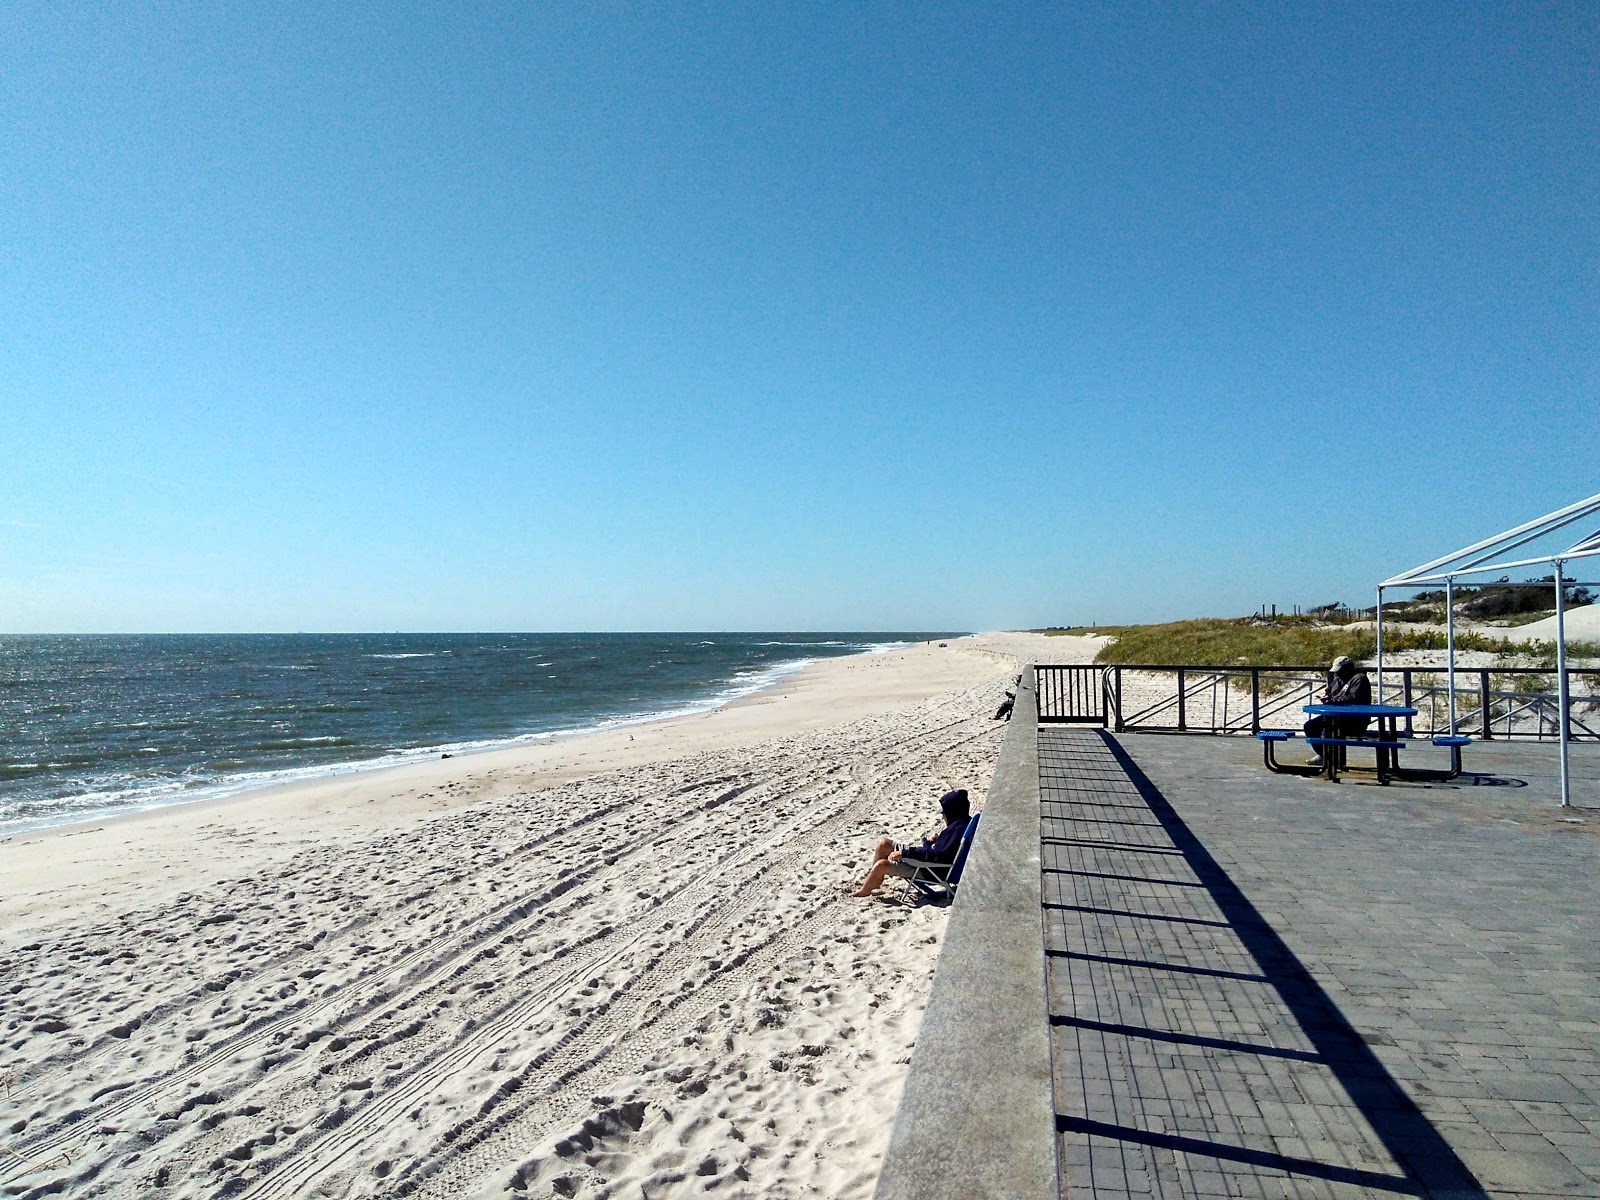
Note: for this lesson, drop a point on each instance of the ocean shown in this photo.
(95, 725)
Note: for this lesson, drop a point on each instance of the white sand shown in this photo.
(616, 965)
(1583, 625)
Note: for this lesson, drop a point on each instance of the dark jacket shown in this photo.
(941, 849)
(1355, 690)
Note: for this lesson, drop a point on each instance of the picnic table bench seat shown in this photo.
(1270, 738)
(1453, 743)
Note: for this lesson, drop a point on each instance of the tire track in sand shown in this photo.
(584, 1048)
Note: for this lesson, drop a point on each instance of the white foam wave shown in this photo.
(142, 793)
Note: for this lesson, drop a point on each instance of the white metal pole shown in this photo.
(1450, 645)
(1562, 699)
(1380, 643)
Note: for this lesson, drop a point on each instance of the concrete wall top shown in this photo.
(977, 1117)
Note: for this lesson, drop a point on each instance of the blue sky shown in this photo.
(759, 316)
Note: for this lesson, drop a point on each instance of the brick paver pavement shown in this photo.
(1265, 985)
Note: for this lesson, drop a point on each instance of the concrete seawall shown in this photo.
(977, 1117)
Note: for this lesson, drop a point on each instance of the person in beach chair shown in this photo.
(1347, 684)
(901, 860)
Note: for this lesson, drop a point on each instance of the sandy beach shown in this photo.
(621, 964)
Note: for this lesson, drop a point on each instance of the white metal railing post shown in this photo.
(1563, 699)
(1450, 646)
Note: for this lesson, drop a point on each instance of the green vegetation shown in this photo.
(1516, 604)
(1543, 654)
(1247, 641)
(1416, 612)
(1438, 639)
(1511, 601)
(1233, 642)
(1291, 641)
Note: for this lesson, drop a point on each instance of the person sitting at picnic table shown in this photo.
(1347, 684)
(901, 860)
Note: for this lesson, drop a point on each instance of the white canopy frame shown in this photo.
(1492, 555)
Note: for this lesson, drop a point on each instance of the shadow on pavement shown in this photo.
(1432, 1167)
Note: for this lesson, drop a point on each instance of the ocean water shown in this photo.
(92, 725)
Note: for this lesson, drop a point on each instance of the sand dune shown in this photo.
(1583, 625)
(547, 979)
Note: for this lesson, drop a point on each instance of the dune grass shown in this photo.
(1217, 642)
(1291, 642)
(1242, 641)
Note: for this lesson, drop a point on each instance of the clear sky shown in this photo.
(758, 316)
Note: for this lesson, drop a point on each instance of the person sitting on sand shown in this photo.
(898, 859)
(1010, 702)
(1347, 684)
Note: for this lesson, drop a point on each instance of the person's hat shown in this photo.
(954, 805)
(1341, 663)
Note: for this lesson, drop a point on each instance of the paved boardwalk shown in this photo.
(1265, 985)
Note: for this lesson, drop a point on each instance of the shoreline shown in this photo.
(292, 811)
(728, 691)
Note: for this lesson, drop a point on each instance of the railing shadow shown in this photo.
(1432, 1167)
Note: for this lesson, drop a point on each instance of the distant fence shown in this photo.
(1516, 703)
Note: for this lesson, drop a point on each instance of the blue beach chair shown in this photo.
(938, 881)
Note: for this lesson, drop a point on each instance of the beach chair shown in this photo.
(938, 881)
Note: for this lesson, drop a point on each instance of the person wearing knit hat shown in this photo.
(897, 858)
(1347, 684)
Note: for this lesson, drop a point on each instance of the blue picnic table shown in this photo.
(1386, 742)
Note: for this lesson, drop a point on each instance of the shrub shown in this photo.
(1508, 601)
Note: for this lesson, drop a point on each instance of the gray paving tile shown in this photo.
(1270, 986)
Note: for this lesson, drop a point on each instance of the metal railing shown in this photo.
(1489, 705)
(1516, 703)
(1072, 694)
